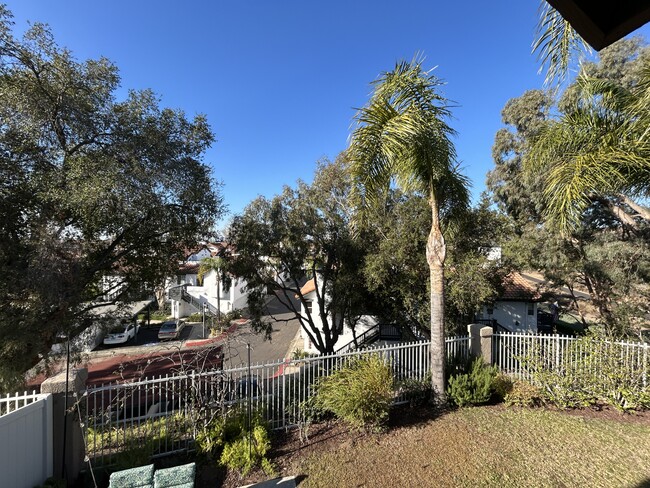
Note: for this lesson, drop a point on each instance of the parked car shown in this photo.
(171, 330)
(121, 334)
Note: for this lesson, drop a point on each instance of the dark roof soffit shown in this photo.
(603, 23)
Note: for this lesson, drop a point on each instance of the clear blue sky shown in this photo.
(279, 80)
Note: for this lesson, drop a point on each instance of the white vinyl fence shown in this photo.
(26, 457)
(162, 415)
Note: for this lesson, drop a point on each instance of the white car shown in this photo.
(171, 330)
(121, 334)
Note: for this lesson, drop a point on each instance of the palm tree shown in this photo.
(401, 136)
(599, 150)
(218, 265)
(557, 44)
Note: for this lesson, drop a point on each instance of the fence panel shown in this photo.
(163, 415)
(520, 354)
(26, 457)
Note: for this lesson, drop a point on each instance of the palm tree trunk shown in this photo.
(436, 253)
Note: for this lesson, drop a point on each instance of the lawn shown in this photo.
(486, 446)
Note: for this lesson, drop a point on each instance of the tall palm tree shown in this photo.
(401, 136)
(599, 150)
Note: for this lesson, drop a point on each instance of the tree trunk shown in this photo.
(436, 253)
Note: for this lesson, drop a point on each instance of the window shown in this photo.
(309, 305)
(531, 309)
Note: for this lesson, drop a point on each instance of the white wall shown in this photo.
(26, 457)
(513, 315)
(365, 322)
(232, 298)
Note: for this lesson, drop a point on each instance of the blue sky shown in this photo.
(279, 80)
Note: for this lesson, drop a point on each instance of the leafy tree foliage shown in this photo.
(298, 235)
(597, 149)
(396, 270)
(98, 196)
(577, 160)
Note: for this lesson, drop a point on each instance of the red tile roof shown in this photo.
(308, 287)
(517, 288)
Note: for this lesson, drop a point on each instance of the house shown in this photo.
(189, 295)
(367, 328)
(516, 309)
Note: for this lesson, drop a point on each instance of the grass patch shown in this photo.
(491, 447)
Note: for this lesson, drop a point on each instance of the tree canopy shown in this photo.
(571, 171)
(301, 234)
(99, 196)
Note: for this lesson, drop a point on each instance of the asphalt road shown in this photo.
(145, 355)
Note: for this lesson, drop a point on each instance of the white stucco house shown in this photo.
(366, 322)
(211, 292)
(516, 308)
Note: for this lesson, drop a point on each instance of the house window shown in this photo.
(531, 309)
(309, 306)
(490, 310)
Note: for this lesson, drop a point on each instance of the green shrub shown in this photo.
(360, 393)
(501, 386)
(227, 439)
(300, 354)
(226, 318)
(524, 394)
(243, 455)
(416, 391)
(475, 387)
(211, 439)
(195, 317)
(591, 370)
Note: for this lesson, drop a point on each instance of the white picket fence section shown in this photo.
(511, 351)
(26, 449)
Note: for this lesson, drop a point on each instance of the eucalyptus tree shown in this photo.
(99, 197)
(571, 170)
(402, 136)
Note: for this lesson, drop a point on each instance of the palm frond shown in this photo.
(556, 44)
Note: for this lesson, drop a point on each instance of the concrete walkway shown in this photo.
(286, 482)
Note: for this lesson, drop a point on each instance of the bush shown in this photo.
(227, 439)
(523, 394)
(501, 385)
(475, 387)
(360, 393)
(242, 455)
(416, 392)
(592, 370)
(300, 354)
